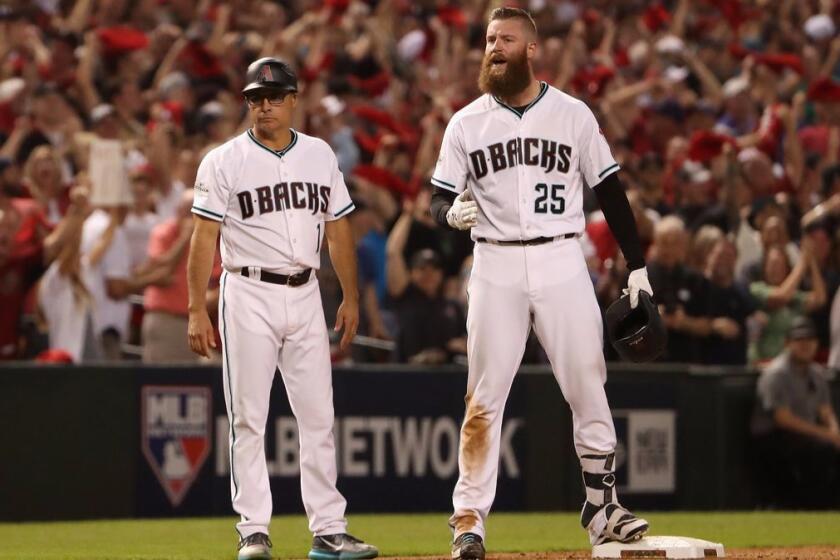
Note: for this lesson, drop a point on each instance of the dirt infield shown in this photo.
(781, 553)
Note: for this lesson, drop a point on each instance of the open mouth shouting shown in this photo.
(498, 62)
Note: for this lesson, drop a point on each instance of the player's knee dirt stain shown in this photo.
(475, 435)
(464, 522)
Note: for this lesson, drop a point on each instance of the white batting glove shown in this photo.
(638, 280)
(464, 212)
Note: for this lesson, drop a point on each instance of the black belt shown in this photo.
(523, 242)
(298, 279)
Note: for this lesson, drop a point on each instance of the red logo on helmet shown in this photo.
(265, 74)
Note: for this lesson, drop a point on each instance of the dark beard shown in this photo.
(514, 80)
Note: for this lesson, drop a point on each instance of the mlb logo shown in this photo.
(175, 435)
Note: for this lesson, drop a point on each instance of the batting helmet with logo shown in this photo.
(639, 334)
(270, 73)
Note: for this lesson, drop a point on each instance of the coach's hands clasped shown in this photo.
(638, 280)
(464, 212)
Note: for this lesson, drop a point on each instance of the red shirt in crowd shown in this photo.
(19, 273)
(173, 298)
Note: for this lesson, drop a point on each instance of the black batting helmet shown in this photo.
(270, 73)
(638, 335)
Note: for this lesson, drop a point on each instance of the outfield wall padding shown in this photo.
(129, 440)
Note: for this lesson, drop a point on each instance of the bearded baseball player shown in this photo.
(511, 169)
(274, 193)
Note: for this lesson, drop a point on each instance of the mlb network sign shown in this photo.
(176, 422)
(378, 447)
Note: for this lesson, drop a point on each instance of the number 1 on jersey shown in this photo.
(318, 239)
(557, 204)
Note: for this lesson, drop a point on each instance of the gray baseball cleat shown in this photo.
(255, 547)
(341, 546)
(468, 546)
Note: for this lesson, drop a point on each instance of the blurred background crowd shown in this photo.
(724, 115)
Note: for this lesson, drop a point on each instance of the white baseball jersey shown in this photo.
(273, 203)
(525, 171)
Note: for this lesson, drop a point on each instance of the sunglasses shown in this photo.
(274, 98)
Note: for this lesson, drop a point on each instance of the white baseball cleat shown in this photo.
(255, 547)
(614, 523)
(341, 546)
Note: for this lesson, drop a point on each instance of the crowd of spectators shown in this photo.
(724, 116)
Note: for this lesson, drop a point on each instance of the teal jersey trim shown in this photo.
(278, 153)
(444, 185)
(207, 213)
(607, 170)
(344, 210)
(543, 90)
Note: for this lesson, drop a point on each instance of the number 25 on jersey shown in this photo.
(549, 199)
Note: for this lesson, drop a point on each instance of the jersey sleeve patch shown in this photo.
(207, 214)
(212, 192)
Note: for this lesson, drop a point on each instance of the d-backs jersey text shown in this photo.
(273, 203)
(524, 170)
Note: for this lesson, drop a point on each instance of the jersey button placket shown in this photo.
(533, 225)
(287, 214)
(522, 175)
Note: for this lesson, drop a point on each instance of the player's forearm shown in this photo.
(442, 201)
(344, 261)
(200, 262)
(343, 257)
(619, 216)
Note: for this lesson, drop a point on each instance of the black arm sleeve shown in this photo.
(619, 216)
(442, 201)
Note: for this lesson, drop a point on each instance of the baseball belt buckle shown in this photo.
(300, 278)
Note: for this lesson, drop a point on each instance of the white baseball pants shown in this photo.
(264, 326)
(512, 288)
